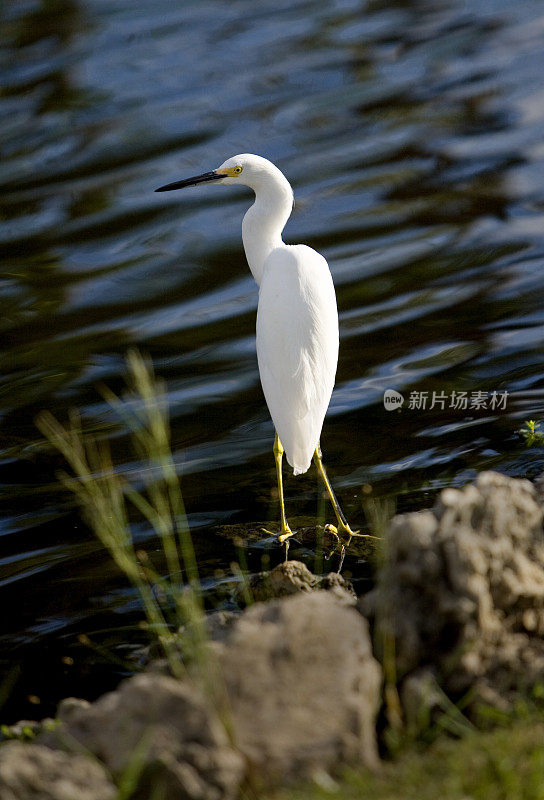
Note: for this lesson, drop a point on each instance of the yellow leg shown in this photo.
(343, 527)
(285, 531)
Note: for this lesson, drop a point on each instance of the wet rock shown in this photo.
(33, 772)
(291, 577)
(463, 588)
(305, 529)
(303, 686)
(168, 727)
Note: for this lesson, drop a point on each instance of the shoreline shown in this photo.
(310, 678)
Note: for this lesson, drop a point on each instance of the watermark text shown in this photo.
(457, 400)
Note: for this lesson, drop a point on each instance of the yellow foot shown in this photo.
(283, 535)
(332, 530)
(343, 529)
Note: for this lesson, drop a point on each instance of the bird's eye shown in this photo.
(238, 170)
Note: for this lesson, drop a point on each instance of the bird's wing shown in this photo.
(297, 346)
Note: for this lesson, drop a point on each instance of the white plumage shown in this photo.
(297, 347)
(297, 320)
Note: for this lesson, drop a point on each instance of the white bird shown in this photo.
(297, 320)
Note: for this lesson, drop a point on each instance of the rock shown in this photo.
(305, 531)
(287, 578)
(303, 686)
(303, 691)
(71, 706)
(463, 589)
(34, 772)
(341, 588)
(539, 487)
(291, 577)
(165, 723)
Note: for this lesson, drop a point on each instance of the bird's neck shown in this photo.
(264, 222)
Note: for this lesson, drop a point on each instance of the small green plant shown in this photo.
(25, 733)
(27, 730)
(532, 433)
(104, 494)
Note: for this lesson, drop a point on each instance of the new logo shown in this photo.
(392, 400)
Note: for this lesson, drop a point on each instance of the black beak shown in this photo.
(207, 176)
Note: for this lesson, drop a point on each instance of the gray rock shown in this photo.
(463, 588)
(303, 686)
(303, 691)
(341, 588)
(539, 487)
(33, 772)
(291, 577)
(168, 727)
(71, 706)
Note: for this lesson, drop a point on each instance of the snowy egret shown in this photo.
(297, 321)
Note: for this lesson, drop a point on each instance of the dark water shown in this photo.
(413, 135)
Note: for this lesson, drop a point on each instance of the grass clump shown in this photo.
(505, 764)
(105, 495)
